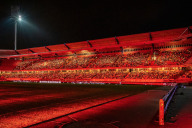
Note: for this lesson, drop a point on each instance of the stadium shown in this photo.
(74, 84)
(95, 64)
(156, 58)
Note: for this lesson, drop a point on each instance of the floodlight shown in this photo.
(20, 18)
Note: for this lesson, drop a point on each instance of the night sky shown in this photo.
(67, 21)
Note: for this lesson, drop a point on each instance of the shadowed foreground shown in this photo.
(179, 114)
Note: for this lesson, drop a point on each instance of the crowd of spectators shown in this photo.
(133, 59)
(174, 57)
(45, 64)
(187, 74)
(153, 75)
(102, 74)
(77, 64)
(104, 61)
(61, 63)
(23, 64)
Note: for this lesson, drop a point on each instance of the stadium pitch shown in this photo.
(26, 104)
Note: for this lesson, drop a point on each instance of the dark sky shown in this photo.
(66, 21)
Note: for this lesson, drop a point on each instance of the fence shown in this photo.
(164, 103)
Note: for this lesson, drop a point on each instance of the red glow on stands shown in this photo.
(8, 64)
(133, 58)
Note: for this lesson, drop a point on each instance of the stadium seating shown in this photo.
(124, 58)
(176, 57)
(173, 57)
(103, 62)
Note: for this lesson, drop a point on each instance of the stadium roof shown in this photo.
(120, 41)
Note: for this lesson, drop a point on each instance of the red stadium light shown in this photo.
(161, 112)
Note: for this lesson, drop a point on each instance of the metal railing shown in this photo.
(164, 103)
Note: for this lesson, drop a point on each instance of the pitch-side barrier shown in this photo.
(164, 103)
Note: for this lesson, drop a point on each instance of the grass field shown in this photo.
(24, 104)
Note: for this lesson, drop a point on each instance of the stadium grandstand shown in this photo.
(149, 58)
